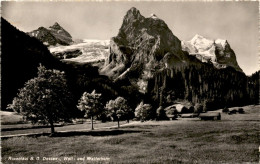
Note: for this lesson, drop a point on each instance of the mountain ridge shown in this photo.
(52, 35)
(142, 46)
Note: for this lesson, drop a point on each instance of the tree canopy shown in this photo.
(44, 99)
(91, 104)
(118, 108)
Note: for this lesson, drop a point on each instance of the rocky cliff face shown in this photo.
(218, 52)
(142, 46)
(52, 36)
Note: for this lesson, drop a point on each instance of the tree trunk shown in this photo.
(118, 123)
(52, 127)
(92, 128)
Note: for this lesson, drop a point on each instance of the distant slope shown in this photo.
(21, 55)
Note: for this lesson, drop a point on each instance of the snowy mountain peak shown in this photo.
(222, 42)
(211, 51)
(200, 43)
(196, 37)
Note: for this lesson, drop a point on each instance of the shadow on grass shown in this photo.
(29, 127)
(141, 126)
(94, 133)
(79, 133)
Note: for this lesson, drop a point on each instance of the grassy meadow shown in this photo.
(234, 139)
(9, 118)
(27, 128)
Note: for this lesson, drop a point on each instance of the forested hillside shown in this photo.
(21, 55)
(204, 84)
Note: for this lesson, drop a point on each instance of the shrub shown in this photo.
(198, 108)
(160, 112)
(103, 116)
(225, 110)
(171, 112)
(191, 109)
(234, 111)
(143, 111)
(184, 110)
(205, 106)
(241, 111)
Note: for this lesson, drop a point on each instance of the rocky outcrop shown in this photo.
(142, 46)
(52, 36)
(67, 54)
(218, 52)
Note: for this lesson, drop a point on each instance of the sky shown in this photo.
(236, 22)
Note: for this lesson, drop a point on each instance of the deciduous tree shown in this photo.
(118, 108)
(44, 99)
(91, 104)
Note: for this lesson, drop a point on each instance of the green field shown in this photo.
(234, 139)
